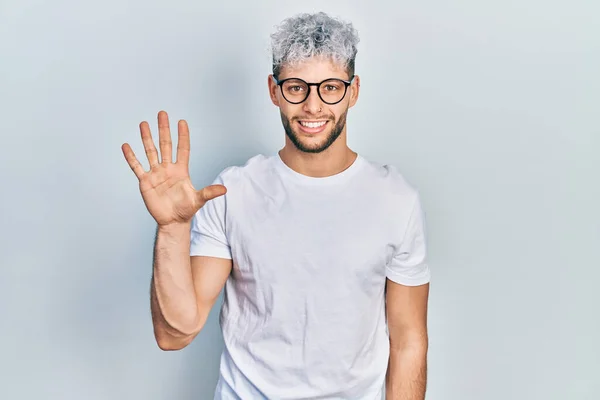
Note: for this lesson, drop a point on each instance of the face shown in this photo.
(313, 125)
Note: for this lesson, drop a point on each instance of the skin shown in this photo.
(326, 153)
(407, 323)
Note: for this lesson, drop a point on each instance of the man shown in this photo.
(316, 247)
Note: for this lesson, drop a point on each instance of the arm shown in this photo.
(183, 288)
(407, 323)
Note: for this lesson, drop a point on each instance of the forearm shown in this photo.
(173, 299)
(407, 372)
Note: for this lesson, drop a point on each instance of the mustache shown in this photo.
(324, 117)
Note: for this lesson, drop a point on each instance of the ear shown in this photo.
(354, 89)
(273, 90)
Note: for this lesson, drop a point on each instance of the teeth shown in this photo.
(313, 124)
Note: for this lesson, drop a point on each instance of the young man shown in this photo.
(320, 252)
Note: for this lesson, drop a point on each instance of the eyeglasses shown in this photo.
(331, 91)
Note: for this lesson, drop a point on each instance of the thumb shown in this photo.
(210, 192)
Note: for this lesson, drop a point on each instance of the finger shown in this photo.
(183, 143)
(164, 137)
(149, 147)
(210, 192)
(132, 160)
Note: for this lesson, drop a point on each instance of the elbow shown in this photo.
(415, 340)
(168, 342)
(173, 344)
(169, 345)
(169, 338)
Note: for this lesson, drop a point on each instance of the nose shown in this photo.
(313, 103)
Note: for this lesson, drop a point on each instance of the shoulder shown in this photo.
(390, 179)
(256, 166)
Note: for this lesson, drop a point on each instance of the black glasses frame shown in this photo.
(318, 85)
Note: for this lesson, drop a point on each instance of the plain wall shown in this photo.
(489, 108)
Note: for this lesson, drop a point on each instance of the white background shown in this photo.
(489, 108)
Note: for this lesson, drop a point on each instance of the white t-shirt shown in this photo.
(304, 308)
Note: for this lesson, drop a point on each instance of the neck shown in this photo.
(318, 165)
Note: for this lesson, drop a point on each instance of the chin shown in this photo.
(313, 140)
(312, 143)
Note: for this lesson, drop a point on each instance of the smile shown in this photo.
(309, 124)
(312, 127)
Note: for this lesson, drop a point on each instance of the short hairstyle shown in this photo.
(307, 35)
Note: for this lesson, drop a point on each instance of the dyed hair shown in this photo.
(308, 35)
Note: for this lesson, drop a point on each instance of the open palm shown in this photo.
(166, 188)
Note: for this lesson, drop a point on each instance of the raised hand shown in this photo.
(166, 188)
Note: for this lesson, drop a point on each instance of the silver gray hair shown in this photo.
(308, 35)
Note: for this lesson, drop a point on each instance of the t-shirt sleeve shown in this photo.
(409, 264)
(207, 233)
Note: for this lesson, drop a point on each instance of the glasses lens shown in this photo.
(332, 90)
(294, 90)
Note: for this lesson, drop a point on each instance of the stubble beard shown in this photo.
(320, 147)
